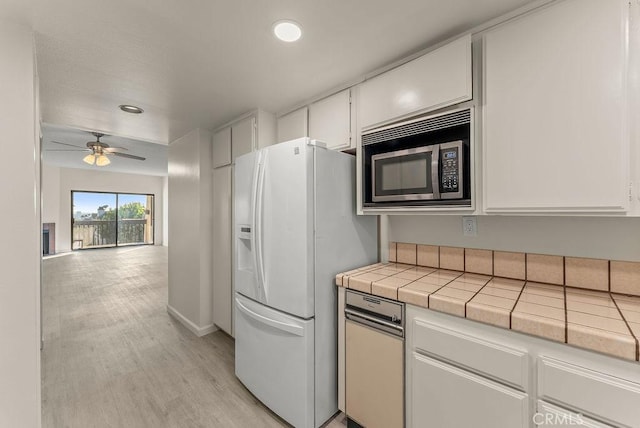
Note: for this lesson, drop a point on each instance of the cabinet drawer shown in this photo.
(588, 391)
(501, 362)
(442, 395)
(549, 415)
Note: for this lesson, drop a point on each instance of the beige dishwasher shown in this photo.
(374, 361)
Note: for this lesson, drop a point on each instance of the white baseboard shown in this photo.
(198, 331)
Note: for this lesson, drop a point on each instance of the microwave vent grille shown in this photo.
(416, 127)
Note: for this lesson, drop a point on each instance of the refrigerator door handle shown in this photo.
(279, 325)
(258, 214)
(254, 208)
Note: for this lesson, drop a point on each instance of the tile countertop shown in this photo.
(596, 320)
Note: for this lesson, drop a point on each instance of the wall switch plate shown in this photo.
(469, 226)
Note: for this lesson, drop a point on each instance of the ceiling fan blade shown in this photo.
(126, 155)
(114, 149)
(67, 150)
(65, 144)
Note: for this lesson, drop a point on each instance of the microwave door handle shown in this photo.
(435, 171)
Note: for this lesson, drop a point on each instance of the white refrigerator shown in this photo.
(295, 229)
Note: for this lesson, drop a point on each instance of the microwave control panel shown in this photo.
(450, 173)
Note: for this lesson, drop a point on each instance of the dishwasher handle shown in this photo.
(374, 322)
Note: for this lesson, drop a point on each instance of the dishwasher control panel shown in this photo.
(376, 312)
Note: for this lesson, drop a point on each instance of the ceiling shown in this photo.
(201, 63)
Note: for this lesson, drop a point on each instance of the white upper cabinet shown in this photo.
(330, 120)
(437, 79)
(555, 117)
(243, 135)
(293, 125)
(222, 147)
(266, 129)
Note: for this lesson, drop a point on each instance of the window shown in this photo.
(102, 219)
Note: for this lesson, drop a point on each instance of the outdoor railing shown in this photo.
(102, 233)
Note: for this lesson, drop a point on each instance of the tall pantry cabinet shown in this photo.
(250, 132)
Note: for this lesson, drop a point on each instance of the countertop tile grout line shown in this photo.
(439, 288)
(416, 280)
(566, 317)
(474, 295)
(564, 292)
(513, 308)
(630, 330)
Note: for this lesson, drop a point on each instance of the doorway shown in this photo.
(106, 219)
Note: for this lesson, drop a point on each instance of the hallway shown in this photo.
(113, 357)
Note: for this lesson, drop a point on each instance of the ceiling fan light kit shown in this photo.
(90, 159)
(102, 160)
(99, 160)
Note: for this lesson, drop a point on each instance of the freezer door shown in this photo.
(284, 229)
(275, 360)
(244, 193)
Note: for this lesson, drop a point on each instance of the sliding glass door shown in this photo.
(134, 219)
(111, 219)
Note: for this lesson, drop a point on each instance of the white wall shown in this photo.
(190, 271)
(51, 195)
(21, 232)
(596, 237)
(56, 197)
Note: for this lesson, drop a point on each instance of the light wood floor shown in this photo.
(113, 357)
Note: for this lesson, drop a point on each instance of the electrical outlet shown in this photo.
(469, 226)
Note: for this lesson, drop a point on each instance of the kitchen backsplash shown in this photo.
(593, 274)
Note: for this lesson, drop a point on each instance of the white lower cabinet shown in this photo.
(461, 373)
(443, 395)
(458, 378)
(588, 391)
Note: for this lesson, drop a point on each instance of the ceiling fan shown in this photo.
(99, 151)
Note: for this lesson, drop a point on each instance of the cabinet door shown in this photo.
(222, 147)
(243, 137)
(442, 395)
(437, 79)
(330, 120)
(293, 125)
(221, 217)
(555, 136)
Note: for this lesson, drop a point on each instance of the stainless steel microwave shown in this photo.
(420, 162)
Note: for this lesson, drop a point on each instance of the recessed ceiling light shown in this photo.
(131, 109)
(287, 31)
